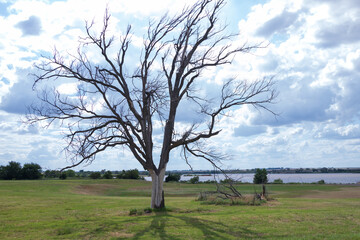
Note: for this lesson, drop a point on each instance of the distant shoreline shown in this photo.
(286, 178)
(270, 171)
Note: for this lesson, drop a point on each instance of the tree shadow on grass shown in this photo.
(209, 229)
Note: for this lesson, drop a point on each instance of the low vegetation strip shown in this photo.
(100, 209)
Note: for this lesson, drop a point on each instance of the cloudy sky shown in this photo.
(313, 52)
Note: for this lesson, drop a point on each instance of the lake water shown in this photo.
(340, 178)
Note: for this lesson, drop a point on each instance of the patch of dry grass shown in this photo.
(342, 193)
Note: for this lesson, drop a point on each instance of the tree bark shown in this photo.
(157, 193)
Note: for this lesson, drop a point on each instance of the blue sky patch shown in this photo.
(3, 9)
(5, 80)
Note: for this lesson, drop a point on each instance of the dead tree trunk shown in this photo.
(157, 192)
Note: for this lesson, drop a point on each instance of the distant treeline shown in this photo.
(31, 171)
(104, 174)
(14, 170)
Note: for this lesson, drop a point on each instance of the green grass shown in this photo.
(99, 209)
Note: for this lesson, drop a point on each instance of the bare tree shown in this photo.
(183, 46)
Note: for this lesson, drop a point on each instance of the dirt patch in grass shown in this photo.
(93, 189)
(346, 192)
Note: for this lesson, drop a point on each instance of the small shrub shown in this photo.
(148, 210)
(108, 175)
(129, 174)
(321, 182)
(133, 211)
(278, 181)
(95, 175)
(194, 180)
(63, 176)
(173, 177)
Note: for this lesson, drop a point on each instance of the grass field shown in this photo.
(99, 209)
